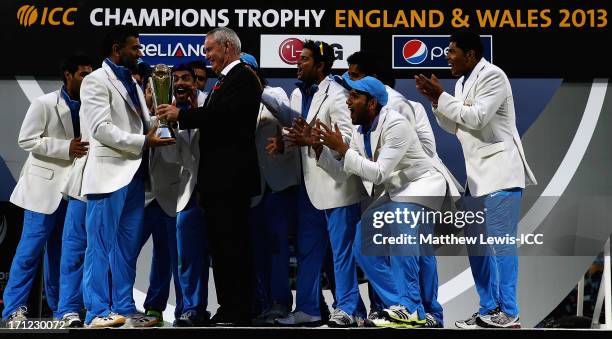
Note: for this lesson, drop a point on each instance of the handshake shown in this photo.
(315, 135)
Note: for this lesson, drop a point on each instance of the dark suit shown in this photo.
(228, 177)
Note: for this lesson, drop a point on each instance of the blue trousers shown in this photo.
(114, 233)
(341, 226)
(42, 233)
(314, 229)
(193, 254)
(495, 267)
(312, 242)
(396, 279)
(164, 264)
(270, 224)
(74, 243)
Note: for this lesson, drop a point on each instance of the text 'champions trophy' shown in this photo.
(161, 86)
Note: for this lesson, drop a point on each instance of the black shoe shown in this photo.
(193, 319)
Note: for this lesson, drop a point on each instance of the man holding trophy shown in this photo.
(114, 178)
(228, 173)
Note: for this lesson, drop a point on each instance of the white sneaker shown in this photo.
(111, 320)
(14, 319)
(341, 319)
(138, 320)
(299, 319)
(399, 314)
(72, 320)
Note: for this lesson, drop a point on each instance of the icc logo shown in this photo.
(289, 50)
(414, 52)
(27, 15)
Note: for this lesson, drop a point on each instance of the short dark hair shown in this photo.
(366, 61)
(72, 63)
(468, 40)
(117, 35)
(321, 52)
(184, 67)
(197, 64)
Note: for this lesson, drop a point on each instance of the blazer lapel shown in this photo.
(359, 142)
(318, 100)
(472, 79)
(63, 112)
(375, 136)
(119, 86)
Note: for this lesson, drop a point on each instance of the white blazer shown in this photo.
(482, 116)
(329, 106)
(46, 133)
(115, 128)
(74, 179)
(188, 144)
(283, 170)
(415, 113)
(400, 167)
(164, 172)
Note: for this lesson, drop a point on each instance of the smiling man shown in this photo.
(481, 115)
(385, 153)
(228, 173)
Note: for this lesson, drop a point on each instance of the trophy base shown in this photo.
(164, 132)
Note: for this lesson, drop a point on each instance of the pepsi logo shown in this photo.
(414, 51)
(290, 50)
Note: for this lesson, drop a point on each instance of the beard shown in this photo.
(128, 63)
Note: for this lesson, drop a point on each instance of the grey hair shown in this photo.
(223, 35)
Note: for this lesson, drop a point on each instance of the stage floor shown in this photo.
(310, 333)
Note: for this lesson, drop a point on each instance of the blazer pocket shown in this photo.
(45, 173)
(105, 151)
(489, 150)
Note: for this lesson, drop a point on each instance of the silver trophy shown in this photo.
(161, 87)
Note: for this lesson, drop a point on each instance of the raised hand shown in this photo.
(430, 88)
(332, 139)
(275, 144)
(300, 133)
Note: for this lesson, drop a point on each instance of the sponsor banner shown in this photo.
(428, 51)
(69, 26)
(283, 50)
(172, 49)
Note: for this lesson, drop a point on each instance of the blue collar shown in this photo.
(372, 128)
(69, 101)
(465, 77)
(307, 90)
(122, 73)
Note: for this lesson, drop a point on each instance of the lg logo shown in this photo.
(27, 15)
(290, 50)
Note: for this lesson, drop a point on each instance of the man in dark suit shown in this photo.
(228, 173)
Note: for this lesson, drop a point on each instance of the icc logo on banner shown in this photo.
(428, 51)
(27, 15)
(172, 49)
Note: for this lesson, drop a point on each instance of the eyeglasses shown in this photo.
(200, 78)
